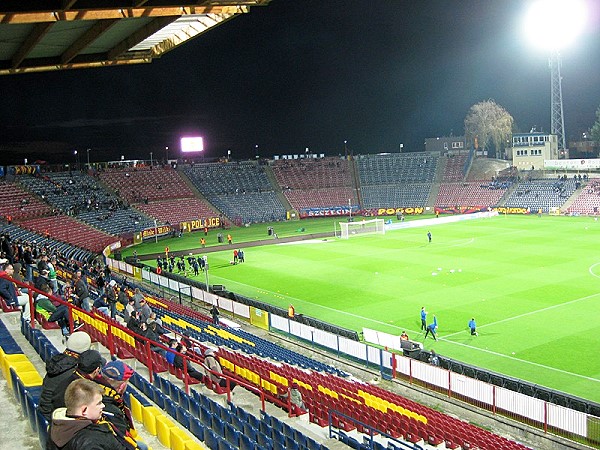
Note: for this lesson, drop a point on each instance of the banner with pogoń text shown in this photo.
(395, 211)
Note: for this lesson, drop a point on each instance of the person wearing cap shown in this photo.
(60, 367)
(82, 424)
(89, 364)
(212, 363)
(296, 397)
(113, 378)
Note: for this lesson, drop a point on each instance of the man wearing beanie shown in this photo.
(89, 365)
(114, 377)
(59, 368)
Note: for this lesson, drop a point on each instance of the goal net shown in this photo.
(373, 226)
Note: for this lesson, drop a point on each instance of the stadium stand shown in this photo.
(137, 184)
(174, 211)
(397, 168)
(80, 195)
(18, 203)
(588, 200)
(454, 169)
(315, 183)
(241, 191)
(541, 194)
(470, 194)
(385, 196)
(67, 229)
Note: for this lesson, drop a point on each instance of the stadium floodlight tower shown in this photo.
(553, 25)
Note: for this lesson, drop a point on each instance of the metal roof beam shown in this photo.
(113, 13)
(36, 35)
(88, 37)
(139, 36)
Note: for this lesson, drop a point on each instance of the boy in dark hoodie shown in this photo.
(81, 425)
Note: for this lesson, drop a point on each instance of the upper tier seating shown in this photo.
(470, 194)
(397, 168)
(541, 194)
(454, 168)
(321, 198)
(67, 250)
(393, 196)
(80, 195)
(177, 210)
(19, 203)
(140, 183)
(588, 200)
(68, 229)
(242, 191)
(306, 174)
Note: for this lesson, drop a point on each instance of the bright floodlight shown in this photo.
(554, 24)
(192, 144)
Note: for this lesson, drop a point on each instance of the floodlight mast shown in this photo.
(557, 119)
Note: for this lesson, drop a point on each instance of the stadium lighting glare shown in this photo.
(554, 24)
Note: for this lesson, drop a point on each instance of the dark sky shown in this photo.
(309, 73)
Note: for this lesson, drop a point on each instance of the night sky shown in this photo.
(309, 73)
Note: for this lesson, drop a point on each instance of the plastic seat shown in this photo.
(196, 428)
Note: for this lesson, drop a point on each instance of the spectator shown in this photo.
(59, 368)
(296, 397)
(404, 336)
(111, 297)
(171, 354)
(11, 295)
(81, 291)
(144, 311)
(129, 308)
(210, 360)
(101, 304)
(434, 360)
(81, 425)
(178, 363)
(114, 377)
(43, 305)
(89, 364)
(214, 312)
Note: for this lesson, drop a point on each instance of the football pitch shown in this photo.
(532, 284)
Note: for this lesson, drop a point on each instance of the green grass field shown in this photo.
(533, 285)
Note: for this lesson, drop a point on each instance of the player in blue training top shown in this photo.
(473, 327)
(423, 319)
(432, 328)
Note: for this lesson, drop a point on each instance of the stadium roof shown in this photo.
(43, 35)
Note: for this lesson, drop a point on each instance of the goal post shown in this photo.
(350, 229)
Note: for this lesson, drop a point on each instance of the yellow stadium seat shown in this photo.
(179, 439)
(136, 408)
(149, 414)
(163, 429)
(9, 359)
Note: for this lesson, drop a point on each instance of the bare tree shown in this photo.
(489, 123)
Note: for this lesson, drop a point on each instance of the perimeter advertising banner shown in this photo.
(322, 212)
(572, 164)
(395, 211)
(200, 224)
(160, 230)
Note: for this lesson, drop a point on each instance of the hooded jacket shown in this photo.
(58, 369)
(72, 433)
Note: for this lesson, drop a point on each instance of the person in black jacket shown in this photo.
(178, 363)
(59, 368)
(81, 425)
